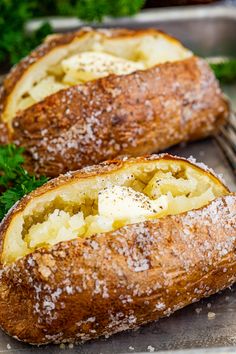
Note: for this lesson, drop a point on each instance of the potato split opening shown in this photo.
(106, 202)
(87, 58)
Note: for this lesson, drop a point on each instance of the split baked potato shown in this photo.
(114, 246)
(85, 97)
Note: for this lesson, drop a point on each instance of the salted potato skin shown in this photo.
(143, 112)
(81, 289)
(140, 113)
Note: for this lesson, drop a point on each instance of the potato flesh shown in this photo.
(100, 58)
(79, 69)
(93, 65)
(137, 195)
(119, 206)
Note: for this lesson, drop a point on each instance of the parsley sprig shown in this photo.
(225, 71)
(15, 181)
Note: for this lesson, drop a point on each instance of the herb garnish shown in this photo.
(15, 181)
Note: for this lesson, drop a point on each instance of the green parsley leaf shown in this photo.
(15, 181)
(15, 43)
(95, 10)
(11, 159)
(225, 71)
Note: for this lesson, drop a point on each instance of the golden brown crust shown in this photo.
(4, 134)
(143, 112)
(140, 113)
(81, 289)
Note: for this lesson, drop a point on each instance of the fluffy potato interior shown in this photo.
(88, 58)
(103, 203)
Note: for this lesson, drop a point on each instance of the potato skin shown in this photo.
(82, 289)
(143, 112)
(5, 135)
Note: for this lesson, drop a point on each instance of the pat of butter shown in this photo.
(100, 64)
(124, 203)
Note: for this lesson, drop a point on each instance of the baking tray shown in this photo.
(207, 32)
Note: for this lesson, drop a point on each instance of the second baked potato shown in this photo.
(84, 97)
(112, 247)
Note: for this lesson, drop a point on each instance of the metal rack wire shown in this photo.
(226, 139)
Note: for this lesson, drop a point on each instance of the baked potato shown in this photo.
(92, 95)
(114, 246)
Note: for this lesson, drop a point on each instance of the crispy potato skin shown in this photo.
(82, 289)
(5, 135)
(143, 112)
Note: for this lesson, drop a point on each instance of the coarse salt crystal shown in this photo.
(211, 315)
(150, 349)
(198, 310)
